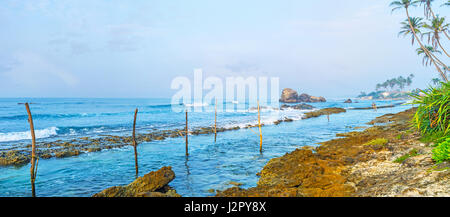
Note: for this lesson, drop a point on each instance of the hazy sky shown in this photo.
(109, 48)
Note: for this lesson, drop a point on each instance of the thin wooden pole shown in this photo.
(33, 168)
(215, 124)
(260, 131)
(187, 153)
(135, 144)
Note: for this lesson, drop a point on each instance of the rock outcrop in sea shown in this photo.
(153, 184)
(291, 96)
(301, 106)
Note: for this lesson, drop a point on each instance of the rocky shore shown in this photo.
(20, 154)
(387, 159)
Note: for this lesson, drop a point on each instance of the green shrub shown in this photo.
(412, 153)
(441, 152)
(379, 141)
(433, 112)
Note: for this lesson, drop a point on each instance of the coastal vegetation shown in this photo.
(433, 113)
(441, 152)
(399, 82)
(401, 159)
(390, 89)
(432, 119)
(379, 141)
(431, 26)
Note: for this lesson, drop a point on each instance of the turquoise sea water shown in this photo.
(234, 157)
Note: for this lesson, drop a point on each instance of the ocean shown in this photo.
(233, 157)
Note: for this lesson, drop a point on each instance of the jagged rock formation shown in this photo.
(153, 184)
(291, 96)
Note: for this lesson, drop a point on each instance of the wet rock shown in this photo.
(347, 167)
(348, 101)
(234, 183)
(45, 156)
(153, 184)
(93, 149)
(288, 120)
(317, 99)
(325, 111)
(13, 158)
(298, 106)
(67, 153)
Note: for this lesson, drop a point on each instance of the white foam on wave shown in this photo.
(16, 136)
(197, 105)
(271, 116)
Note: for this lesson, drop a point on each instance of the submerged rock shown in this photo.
(153, 184)
(325, 111)
(13, 158)
(302, 106)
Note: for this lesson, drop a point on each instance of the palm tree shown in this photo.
(416, 23)
(406, 4)
(377, 88)
(426, 61)
(385, 85)
(409, 80)
(401, 82)
(392, 83)
(436, 81)
(426, 7)
(437, 26)
(429, 11)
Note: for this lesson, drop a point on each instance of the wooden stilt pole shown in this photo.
(187, 153)
(135, 144)
(260, 132)
(215, 124)
(33, 169)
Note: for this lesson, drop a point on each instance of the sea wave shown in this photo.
(160, 106)
(197, 105)
(16, 136)
(271, 118)
(56, 116)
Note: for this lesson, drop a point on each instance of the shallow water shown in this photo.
(234, 157)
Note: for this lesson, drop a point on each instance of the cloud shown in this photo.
(79, 48)
(34, 70)
(242, 67)
(128, 36)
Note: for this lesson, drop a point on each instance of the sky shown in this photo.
(112, 48)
